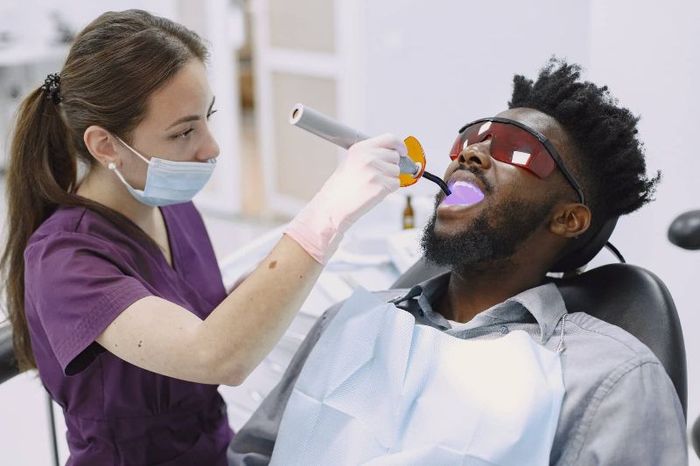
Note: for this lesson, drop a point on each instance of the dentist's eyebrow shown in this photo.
(187, 118)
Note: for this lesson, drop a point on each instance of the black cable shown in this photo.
(614, 250)
(438, 181)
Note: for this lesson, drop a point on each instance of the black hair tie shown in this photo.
(52, 88)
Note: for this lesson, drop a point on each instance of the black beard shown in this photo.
(490, 241)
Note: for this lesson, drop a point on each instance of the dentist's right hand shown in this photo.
(368, 174)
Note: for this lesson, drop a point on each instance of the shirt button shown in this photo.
(504, 330)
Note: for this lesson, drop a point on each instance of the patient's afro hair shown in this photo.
(610, 159)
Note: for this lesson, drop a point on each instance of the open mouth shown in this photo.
(464, 194)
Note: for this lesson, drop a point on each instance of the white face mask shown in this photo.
(168, 182)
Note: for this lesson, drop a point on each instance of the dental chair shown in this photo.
(625, 295)
(622, 294)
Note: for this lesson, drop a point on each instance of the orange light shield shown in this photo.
(417, 155)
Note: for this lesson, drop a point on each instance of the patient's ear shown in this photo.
(570, 220)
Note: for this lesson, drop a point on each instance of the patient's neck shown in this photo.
(468, 294)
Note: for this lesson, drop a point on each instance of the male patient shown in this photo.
(483, 365)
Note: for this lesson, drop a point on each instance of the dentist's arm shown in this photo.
(165, 338)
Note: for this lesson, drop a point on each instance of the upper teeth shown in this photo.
(465, 183)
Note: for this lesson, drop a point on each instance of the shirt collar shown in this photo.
(543, 302)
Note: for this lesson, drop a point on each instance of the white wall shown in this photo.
(427, 67)
(436, 65)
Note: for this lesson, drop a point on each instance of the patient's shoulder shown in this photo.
(594, 332)
(598, 354)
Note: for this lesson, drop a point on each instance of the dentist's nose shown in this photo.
(209, 150)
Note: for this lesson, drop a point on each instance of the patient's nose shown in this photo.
(477, 154)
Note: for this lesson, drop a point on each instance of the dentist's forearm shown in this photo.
(244, 328)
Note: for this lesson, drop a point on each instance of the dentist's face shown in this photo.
(176, 124)
(515, 202)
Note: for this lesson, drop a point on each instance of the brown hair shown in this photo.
(112, 68)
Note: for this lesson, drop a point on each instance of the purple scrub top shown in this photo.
(81, 272)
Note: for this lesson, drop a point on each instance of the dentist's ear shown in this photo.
(102, 145)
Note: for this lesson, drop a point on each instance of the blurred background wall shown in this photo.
(420, 68)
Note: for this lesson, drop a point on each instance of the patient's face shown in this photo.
(516, 203)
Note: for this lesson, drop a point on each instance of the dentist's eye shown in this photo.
(184, 135)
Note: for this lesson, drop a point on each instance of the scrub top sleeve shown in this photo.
(76, 288)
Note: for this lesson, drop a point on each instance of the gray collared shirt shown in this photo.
(620, 406)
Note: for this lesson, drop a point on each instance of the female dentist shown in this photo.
(113, 289)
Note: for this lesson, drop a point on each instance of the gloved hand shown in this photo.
(368, 174)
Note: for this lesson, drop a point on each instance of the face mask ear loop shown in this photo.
(113, 167)
(132, 150)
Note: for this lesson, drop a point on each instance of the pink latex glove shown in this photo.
(368, 174)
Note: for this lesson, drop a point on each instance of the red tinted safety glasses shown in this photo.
(514, 143)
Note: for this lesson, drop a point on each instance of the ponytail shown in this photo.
(40, 176)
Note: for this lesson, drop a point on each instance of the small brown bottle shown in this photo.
(408, 218)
